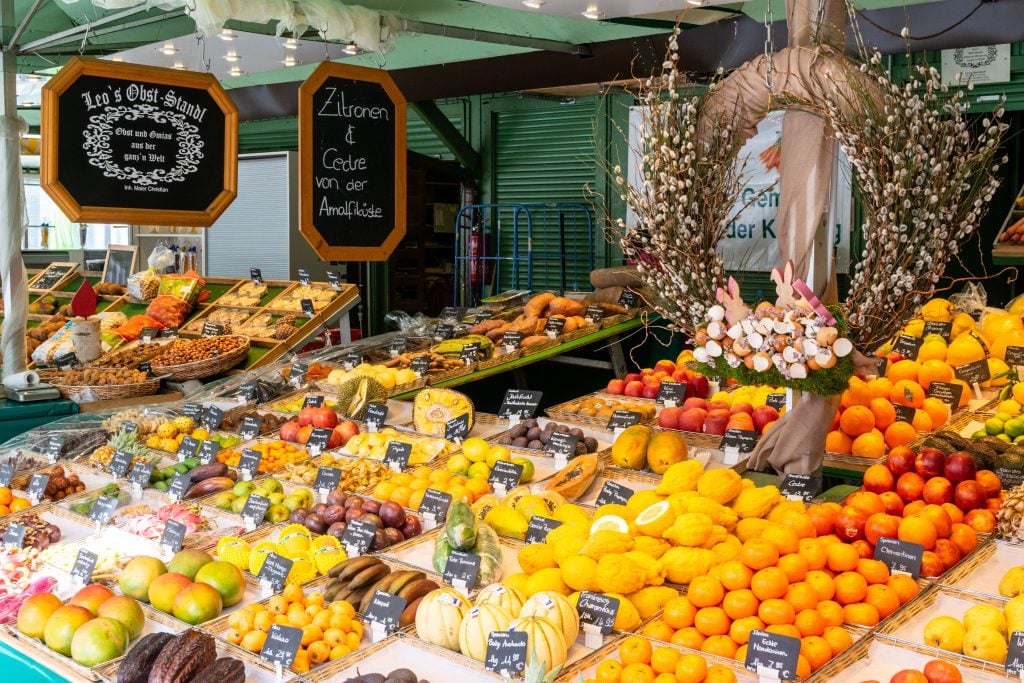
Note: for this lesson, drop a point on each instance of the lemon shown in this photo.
(498, 454)
(475, 449)
(578, 573)
(546, 580)
(570, 512)
(1010, 407)
(655, 519)
(537, 556)
(610, 523)
(641, 500)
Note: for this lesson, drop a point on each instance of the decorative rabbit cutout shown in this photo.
(732, 301)
(783, 280)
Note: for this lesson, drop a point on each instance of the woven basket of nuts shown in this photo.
(102, 384)
(199, 358)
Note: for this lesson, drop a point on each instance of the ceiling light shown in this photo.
(289, 61)
(235, 71)
(698, 3)
(32, 77)
(232, 56)
(117, 58)
(351, 49)
(291, 44)
(169, 49)
(227, 34)
(534, 4)
(179, 66)
(593, 13)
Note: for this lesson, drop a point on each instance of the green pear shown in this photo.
(224, 500)
(243, 488)
(276, 498)
(239, 504)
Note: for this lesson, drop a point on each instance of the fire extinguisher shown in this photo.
(477, 246)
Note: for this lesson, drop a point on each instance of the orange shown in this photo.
(802, 596)
(712, 621)
(857, 394)
(903, 370)
(5, 496)
(964, 537)
(870, 445)
(823, 517)
(4, 510)
(784, 630)
(784, 538)
(873, 571)
(740, 603)
(637, 673)
(880, 387)
(665, 659)
(813, 553)
(886, 600)
(810, 622)
(837, 441)
(800, 523)
(816, 650)
(867, 502)
(956, 515)
(705, 591)
(768, 583)
(741, 628)
(776, 611)
(850, 587)
(608, 671)
(803, 667)
(658, 630)
(922, 422)
(965, 395)
(723, 646)
(832, 612)
(838, 638)
(691, 668)
(857, 420)
(635, 649)
(720, 674)
(900, 434)
(679, 612)
(862, 614)
(794, 566)
(733, 574)
(939, 519)
(841, 557)
(823, 584)
(918, 529)
(937, 411)
(884, 412)
(757, 554)
(688, 637)
(934, 371)
(913, 508)
(18, 504)
(907, 393)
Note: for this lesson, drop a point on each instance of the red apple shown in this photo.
(682, 375)
(937, 490)
(764, 415)
(850, 523)
(615, 387)
(969, 495)
(650, 390)
(938, 671)
(666, 366)
(631, 377)
(325, 417)
(929, 462)
(662, 376)
(691, 420)
(334, 440)
(633, 388)
(306, 416)
(910, 486)
(699, 386)
(718, 405)
(742, 408)
(900, 461)
(959, 466)
(669, 418)
(715, 423)
(695, 402)
(290, 431)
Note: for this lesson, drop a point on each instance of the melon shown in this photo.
(439, 617)
(557, 609)
(573, 480)
(476, 626)
(503, 595)
(545, 643)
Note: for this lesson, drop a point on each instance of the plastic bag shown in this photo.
(131, 330)
(177, 294)
(145, 284)
(972, 300)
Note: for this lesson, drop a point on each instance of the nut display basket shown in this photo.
(104, 392)
(207, 367)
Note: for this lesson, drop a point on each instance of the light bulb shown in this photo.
(593, 12)
(534, 4)
(227, 34)
(291, 44)
(232, 56)
(168, 49)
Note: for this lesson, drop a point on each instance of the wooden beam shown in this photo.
(446, 131)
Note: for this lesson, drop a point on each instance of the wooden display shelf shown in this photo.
(1010, 252)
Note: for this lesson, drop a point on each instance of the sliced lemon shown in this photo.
(610, 523)
(655, 519)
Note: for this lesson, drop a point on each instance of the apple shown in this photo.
(691, 420)
(938, 671)
(929, 463)
(969, 495)
(937, 490)
(633, 388)
(650, 390)
(324, 417)
(900, 461)
(850, 523)
(699, 385)
(764, 415)
(346, 429)
(959, 466)
(665, 366)
(681, 375)
(695, 402)
(306, 416)
(615, 387)
(631, 377)
(718, 405)
(334, 440)
(742, 408)
(290, 431)
(715, 423)
(910, 486)
(669, 418)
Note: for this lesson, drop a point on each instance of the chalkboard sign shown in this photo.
(904, 413)
(741, 439)
(6, 474)
(37, 487)
(138, 144)
(671, 393)
(52, 276)
(621, 419)
(772, 652)
(1015, 654)
(801, 486)
(358, 537)
(777, 401)
(103, 509)
(173, 535)
(1015, 355)
(907, 346)
(457, 427)
(85, 563)
(120, 264)
(940, 328)
(352, 163)
(274, 571)
(120, 463)
(14, 535)
(396, 457)
(385, 609)
(947, 392)
(900, 556)
(628, 299)
(462, 568)
(521, 402)
(505, 475)
(506, 652)
(281, 645)
(249, 463)
(327, 478)
(971, 373)
(614, 492)
(598, 610)
(140, 474)
(435, 503)
(539, 528)
(376, 414)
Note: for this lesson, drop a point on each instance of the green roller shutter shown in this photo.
(545, 156)
(420, 138)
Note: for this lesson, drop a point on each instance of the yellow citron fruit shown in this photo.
(683, 564)
(690, 529)
(628, 617)
(654, 571)
(606, 542)
(641, 500)
(750, 528)
(962, 322)
(914, 328)
(619, 574)
(651, 600)
(537, 556)
(614, 509)
(654, 547)
(579, 573)
(964, 349)
(682, 476)
(546, 580)
(720, 486)
(609, 523)
(654, 520)
(937, 310)
(570, 512)
(933, 348)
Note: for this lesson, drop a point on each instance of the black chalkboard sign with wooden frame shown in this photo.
(352, 174)
(125, 143)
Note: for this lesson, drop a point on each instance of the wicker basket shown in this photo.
(106, 392)
(205, 368)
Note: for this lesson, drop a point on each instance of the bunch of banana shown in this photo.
(452, 348)
(357, 579)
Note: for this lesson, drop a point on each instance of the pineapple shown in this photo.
(102, 456)
(433, 408)
(534, 672)
(1010, 520)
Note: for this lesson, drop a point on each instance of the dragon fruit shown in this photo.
(149, 524)
(11, 603)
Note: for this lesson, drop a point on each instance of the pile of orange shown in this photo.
(275, 455)
(642, 661)
(407, 488)
(11, 503)
(866, 423)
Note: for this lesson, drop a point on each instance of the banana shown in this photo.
(369, 576)
(332, 590)
(381, 585)
(353, 566)
(399, 580)
(417, 589)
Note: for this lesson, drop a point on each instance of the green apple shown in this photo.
(277, 513)
(243, 488)
(239, 504)
(224, 500)
(276, 498)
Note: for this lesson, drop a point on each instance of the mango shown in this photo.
(630, 449)
(665, 450)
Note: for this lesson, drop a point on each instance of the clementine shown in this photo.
(838, 638)
(832, 612)
(712, 621)
(741, 628)
(688, 637)
(634, 650)
(857, 420)
(794, 566)
(841, 557)
(900, 433)
(740, 603)
(882, 598)
(775, 611)
(907, 393)
(813, 553)
(705, 591)
(838, 441)
(862, 614)
(679, 612)
(851, 587)
(770, 582)
(757, 554)
(816, 650)
(823, 584)
(904, 585)
(802, 596)
(722, 645)
(870, 445)
(810, 622)
(918, 529)
(884, 412)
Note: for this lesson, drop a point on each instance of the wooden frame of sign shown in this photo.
(49, 176)
(120, 248)
(308, 155)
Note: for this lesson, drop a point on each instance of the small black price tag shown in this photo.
(904, 413)
(358, 537)
(212, 329)
(554, 326)
(6, 474)
(462, 569)
(103, 509)
(450, 314)
(255, 509)
(376, 414)
(435, 503)
(250, 461)
(194, 411)
(935, 327)
(469, 353)
(120, 463)
(512, 340)
(520, 402)
(275, 571)
(772, 652)
(628, 298)
(128, 426)
(188, 448)
(597, 610)
(298, 373)
(212, 417)
(396, 457)
(327, 478)
(444, 331)
(539, 528)
(506, 652)
(351, 360)
(140, 474)
(282, 644)
(622, 419)
(740, 439)
(208, 451)
(146, 367)
(614, 492)
(802, 486)
(900, 556)
(1010, 476)
(169, 332)
(907, 346)
(976, 372)
(333, 279)
(457, 427)
(308, 309)
(777, 401)
(66, 360)
(179, 486)
(251, 427)
(674, 392)
(481, 317)
(15, 534)
(54, 445)
(1015, 654)
(420, 365)
(562, 445)
(256, 275)
(304, 278)
(595, 314)
(37, 486)
(148, 334)
(249, 391)
(505, 475)
(318, 439)
(1015, 355)
(397, 347)
(85, 564)
(947, 392)
(173, 535)
(313, 401)
(385, 609)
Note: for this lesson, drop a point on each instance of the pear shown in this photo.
(985, 616)
(1012, 583)
(945, 633)
(985, 643)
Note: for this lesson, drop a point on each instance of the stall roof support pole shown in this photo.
(446, 131)
(428, 28)
(76, 33)
(13, 43)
